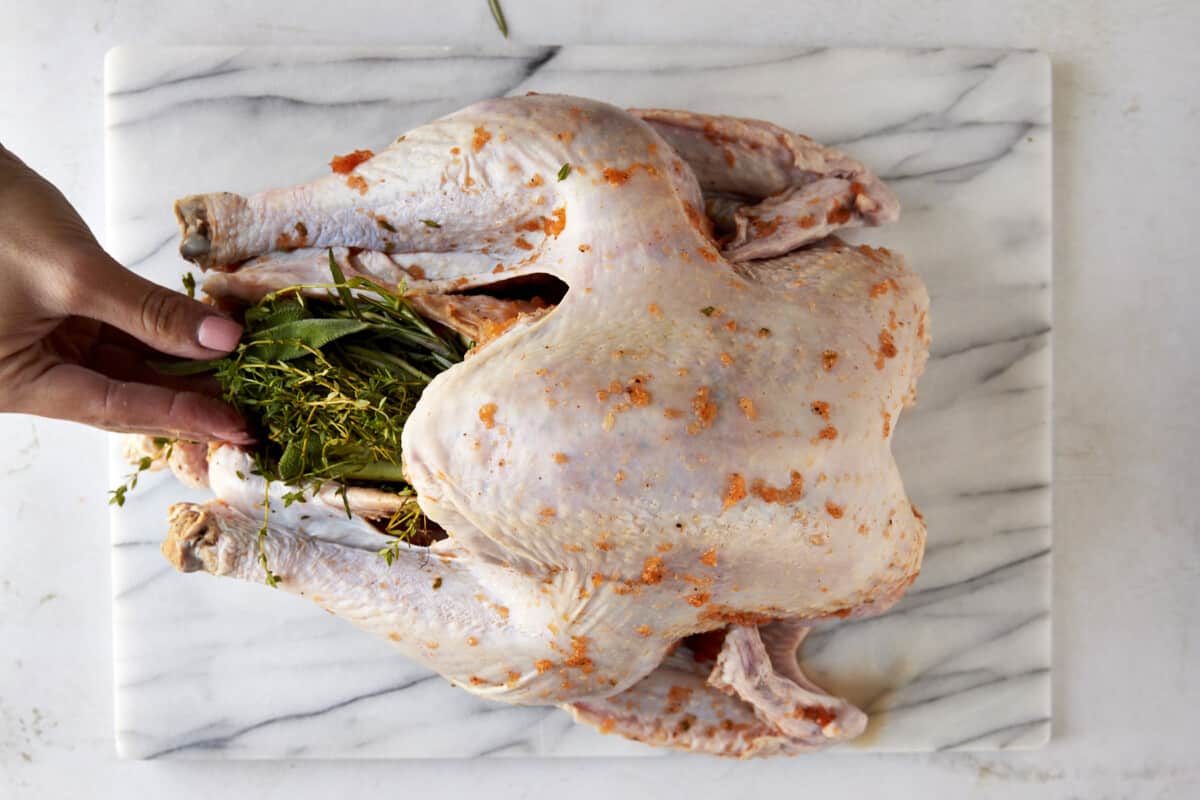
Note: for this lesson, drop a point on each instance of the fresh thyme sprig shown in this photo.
(117, 495)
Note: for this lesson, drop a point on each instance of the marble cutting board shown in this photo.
(214, 668)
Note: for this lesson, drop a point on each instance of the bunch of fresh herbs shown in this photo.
(329, 385)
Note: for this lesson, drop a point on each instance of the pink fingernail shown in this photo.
(220, 334)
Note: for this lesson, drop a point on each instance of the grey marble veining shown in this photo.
(209, 668)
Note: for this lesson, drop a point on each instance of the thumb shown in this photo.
(160, 318)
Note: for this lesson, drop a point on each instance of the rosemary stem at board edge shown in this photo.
(498, 15)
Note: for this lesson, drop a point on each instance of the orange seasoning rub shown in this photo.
(616, 177)
(536, 180)
(747, 407)
(887, 345)
(619, 177)
(698, 599)
(709, 557)
(653, 570)
(820, 408)
(579, 657)
(523, 243)
(481, 138)
(638, 396)
(838, 215)
(677, 696)
(286, 241)
(828, 432)
(788, 494)
(887, 424)
(818, 715)
(766, 228)
(829, 360)
(807, 222)
(487, 415)
(833, 509)
(357, 183)
(556, 222)
(704, 410)
(344, 165)
(735, 491)
(887, 348)
(543, 665)
(700, 222)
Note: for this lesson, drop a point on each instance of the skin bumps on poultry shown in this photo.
(650, 488)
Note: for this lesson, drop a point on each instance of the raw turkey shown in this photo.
(652, 486)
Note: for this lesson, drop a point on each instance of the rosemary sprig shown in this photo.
(498, 15)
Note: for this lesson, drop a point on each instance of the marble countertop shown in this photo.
(1127, 563)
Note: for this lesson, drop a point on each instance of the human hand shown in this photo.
(77, 329)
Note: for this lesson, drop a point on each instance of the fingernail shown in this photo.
(220, 334)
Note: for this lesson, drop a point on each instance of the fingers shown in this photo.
(125, 364)
(72, 392)
(164, 320)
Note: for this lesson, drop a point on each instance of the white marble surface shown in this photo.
(204, 668)
(1126, 562)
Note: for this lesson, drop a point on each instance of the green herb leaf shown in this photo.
(291, 463)
(387, 226)
(498, 15)
(301, 337)
(708, 311)
(343, 291)
(189, 284)
(431, 224)
(564, 171)
(118, 495)
(270, 315)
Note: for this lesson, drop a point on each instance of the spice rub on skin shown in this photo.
(723, 450)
